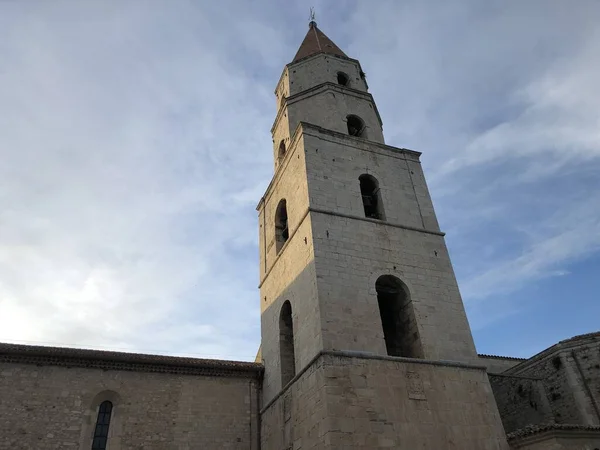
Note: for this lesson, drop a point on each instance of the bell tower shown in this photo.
(363, 326)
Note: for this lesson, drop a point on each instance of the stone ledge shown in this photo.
(376, 221)
(107, 360)
(429, 362)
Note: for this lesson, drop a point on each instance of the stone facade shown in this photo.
(348, 400)
(365, 340)
(49, 399)
(560, 385)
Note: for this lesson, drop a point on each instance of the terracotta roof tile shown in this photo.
(316, 41)
(512, 358)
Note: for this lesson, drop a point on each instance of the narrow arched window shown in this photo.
(282, 232)
(343, 79)
(102, 424)
(356, 126)
(281, 152)
(286, 344)
(397, 318)
(371, 197)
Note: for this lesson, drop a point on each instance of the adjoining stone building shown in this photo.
(365, 340)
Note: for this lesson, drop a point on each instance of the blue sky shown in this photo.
(135, 145)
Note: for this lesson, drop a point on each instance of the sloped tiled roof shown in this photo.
(512, 358)
(535, 429)
(74, 357)
(316, 41)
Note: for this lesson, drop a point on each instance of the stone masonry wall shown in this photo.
(353, 403)
(289, 275)
(570, 372)
(327, 106)
(331, 109)
(556, 383)
(319, 69)
(298, 418)
(585, 361)
(351, 252)
(521, 401)
(396, 403)
(50, 407)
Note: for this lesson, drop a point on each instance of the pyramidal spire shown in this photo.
(316, 41)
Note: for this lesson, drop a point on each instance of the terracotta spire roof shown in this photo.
(314, 42)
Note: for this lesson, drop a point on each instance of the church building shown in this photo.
(365, 342)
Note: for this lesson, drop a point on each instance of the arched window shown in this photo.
(281, 226)
(371, 197)
(102, 424)
(397, 318)
(286, 344)
(356, 126)
(343, 79)
(281, 152)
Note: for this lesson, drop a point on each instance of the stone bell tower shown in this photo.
(365, 340)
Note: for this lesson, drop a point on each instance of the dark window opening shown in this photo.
(281, 152)
(286, 344)
(371, 197)
(282, 233)
(102, 423)
(356, 126)
(397, 318)
(343, 79)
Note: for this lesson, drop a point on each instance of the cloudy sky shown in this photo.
(135, 145)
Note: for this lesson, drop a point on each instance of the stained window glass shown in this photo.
(102, 423)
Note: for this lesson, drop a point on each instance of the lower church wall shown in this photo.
(521, 401)
(53, 407)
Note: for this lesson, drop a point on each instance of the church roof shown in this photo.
(107, 360)
(530, 430)
(315, 42)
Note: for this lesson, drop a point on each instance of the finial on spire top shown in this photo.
(312, 17)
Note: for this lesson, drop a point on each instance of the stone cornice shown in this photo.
(538, 433)
(369, 356)
(313, 56)
(564, 345)
(319, 89)
(328, 55)
(107, 360)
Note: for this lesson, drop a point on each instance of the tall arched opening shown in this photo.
(397, 318)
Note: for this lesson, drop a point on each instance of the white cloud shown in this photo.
(134, 140)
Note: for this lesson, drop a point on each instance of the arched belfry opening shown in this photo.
(282, 233)
(287, 357)
(371, 197)
(343, 79)
(397, 318)
(281, 151)
(356, 126)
